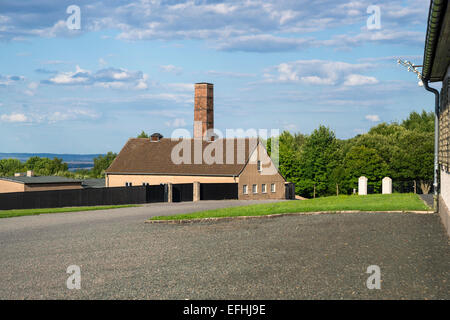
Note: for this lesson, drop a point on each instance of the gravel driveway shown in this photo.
(293, 257)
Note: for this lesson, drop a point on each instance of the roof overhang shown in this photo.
(171, 174)
(40, 182)
(436, 56)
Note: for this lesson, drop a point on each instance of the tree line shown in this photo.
(320, 164)
(56, 167)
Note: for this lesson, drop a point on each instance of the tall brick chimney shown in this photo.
(203, 109)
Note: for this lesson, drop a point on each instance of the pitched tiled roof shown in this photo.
(142, 156)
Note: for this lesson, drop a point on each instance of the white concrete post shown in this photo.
(196, 190)
(362, 186)
(387, 185)
(169, 192)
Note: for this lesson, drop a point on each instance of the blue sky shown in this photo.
(288, 65)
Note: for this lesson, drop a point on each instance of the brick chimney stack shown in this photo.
(203, 109)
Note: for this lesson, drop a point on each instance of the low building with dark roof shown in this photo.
(205, 159)
(37, 183)
(93, 183)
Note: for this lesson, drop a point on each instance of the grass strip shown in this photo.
(374, 202)
(32, 212)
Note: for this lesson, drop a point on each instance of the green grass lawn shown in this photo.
(375, 202)
(32, 212)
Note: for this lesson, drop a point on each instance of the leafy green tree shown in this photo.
(414, 158)
(363, 161)
(45, 166)
(143, 135)
(386, 146)
(336, 168)
(289, 155)
(10, 166)
(101, 163)
(386, 129)
(317, 153)
(402, 151)
(423, 122)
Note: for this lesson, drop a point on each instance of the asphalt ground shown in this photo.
(428, 199)
(322, 256)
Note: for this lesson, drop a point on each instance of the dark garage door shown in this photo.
(218, 191)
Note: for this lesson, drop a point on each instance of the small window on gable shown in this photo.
(258, 165)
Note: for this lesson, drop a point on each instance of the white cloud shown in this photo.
(33, 85)
(171, 69)
(319, 72)
(102, 62)
(186, 87)
(14, 117)
(58, 29)
(55, 62)
(71, 114)
(373, 117)
(10, 80)
(359, 80)
(264, 43)
(249, 25)
(115, 78)
(80, 76)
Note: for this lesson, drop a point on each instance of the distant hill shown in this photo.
(74, 161)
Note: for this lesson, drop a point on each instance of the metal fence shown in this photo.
(412, 186)
(115, 196)
(73, 198)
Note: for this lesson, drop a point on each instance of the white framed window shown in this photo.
(263, 188)
(272, 187)
(255, 188)
(258, 165)
(244, 189)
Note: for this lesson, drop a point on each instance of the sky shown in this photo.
(131, 66)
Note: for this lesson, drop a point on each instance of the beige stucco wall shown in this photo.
(9, 186)
(115, 180)
(268, 175)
